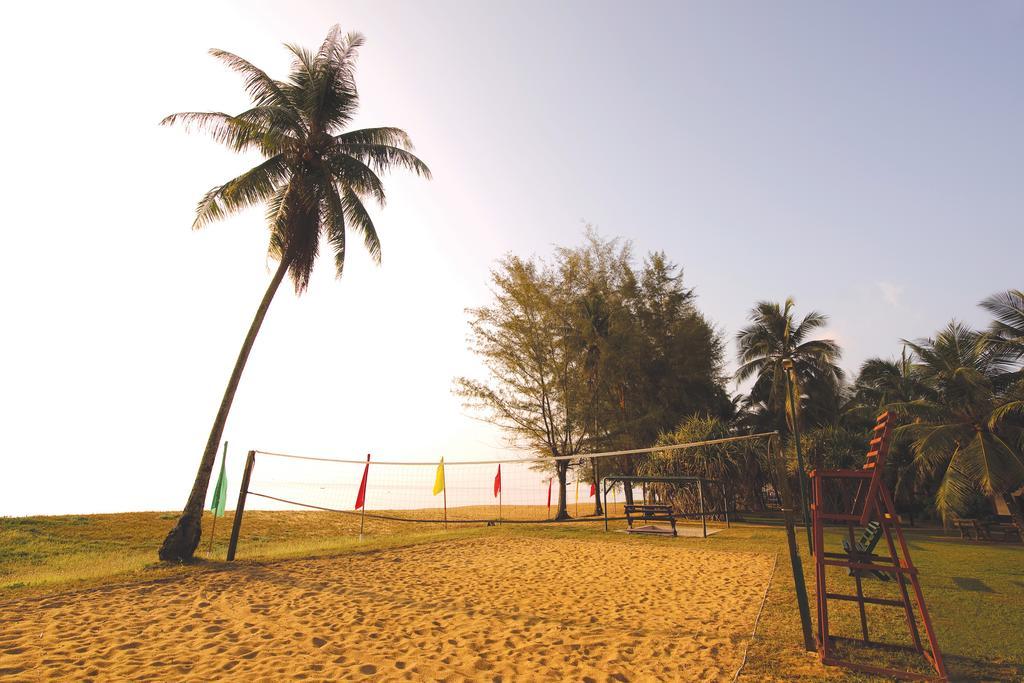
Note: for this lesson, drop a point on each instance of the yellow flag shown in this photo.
(439, 480)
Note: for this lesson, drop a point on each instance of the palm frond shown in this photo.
(992, 464)
(919, 409)
(262, 89)
(334, 224)
(810, 322)
(933, 443)
(382, 158)
(357, 175)
(1006, 332)
(395, 137)
(256, 185)
(1008, 309)
(336, 95)
(956, 490)
(360, 221)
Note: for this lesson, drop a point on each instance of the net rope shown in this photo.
(603, 454)
(402, 491)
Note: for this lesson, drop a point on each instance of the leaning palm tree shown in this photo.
(966, 432)
(772, 338)
(314, 180)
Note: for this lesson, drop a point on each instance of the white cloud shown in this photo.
(891, 294)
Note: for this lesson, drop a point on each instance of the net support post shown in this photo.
(796, 565)
(728, 504)
(700, 498)
(236, 525)
(604, 489)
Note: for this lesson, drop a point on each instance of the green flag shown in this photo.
(220, 491)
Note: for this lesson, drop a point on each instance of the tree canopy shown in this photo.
(588, 350)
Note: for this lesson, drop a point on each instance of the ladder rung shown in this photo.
(870, 566)
(840, 474)
(845, 557)
(869, 601)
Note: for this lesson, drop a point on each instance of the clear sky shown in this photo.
(866, 158)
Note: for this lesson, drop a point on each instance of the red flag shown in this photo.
(497, 482)
(361, 496)
(593, 490)
(549, 497)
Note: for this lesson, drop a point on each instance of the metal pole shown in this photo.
(794, 554)
(362, 510)
(787, 364)
(213, 530)
(213, 527)
(700, 497)
(605, 490)
(728, 499)
(236, 526)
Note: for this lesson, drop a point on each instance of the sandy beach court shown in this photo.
(494, 609)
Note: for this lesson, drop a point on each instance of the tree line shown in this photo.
(591, 350)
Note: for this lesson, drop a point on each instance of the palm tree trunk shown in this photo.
(181, 542)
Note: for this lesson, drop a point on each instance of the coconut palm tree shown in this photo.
(883, 381)
(314, 180)
(879, 383)
(964, 431)
(772, 338)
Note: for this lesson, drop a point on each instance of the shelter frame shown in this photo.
(608, 482)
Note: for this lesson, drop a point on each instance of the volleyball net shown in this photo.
(524, 490)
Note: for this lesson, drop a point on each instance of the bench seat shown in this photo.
(650, 512)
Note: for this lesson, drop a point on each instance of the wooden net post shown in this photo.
(236, 526)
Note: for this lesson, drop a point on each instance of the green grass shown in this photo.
(975, 592)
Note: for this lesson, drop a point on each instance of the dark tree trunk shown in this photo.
(598, 510)
(563, 469)
(181, 542)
